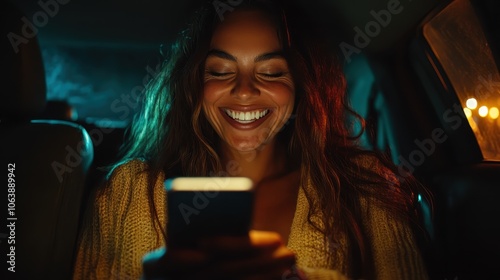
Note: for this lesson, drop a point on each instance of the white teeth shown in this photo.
(246, 117)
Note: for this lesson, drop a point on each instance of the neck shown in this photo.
(258, 165)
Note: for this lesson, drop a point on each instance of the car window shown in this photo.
(456, 37)
(102, 85)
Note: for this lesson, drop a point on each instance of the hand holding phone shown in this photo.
(218, 212)
(258, 255)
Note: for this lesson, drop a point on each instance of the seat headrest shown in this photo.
(23, 93)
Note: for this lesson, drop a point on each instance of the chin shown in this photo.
(247, 147)
(249, 143)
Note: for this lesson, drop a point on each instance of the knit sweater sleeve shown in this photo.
(120, 230)
(391, 242)
(310, 247)
(393, 246)
(395, 253)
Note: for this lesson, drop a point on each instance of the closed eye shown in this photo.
(219, 74)
(273, 75)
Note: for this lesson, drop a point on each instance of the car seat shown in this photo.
(44, 165)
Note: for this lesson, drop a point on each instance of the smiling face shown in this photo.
(248, 89)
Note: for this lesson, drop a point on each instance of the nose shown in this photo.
(245, 88)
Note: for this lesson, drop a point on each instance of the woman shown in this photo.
(254, 91)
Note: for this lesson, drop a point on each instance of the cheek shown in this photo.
(283, 95)
(209, 94)
(212, 91)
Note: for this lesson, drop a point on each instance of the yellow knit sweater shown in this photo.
(123, 232)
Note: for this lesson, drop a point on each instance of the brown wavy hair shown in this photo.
(172, 134)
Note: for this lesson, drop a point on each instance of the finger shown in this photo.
(265, 239)
(255, 241)
(185, 259)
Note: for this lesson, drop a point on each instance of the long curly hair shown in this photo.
(173, 136)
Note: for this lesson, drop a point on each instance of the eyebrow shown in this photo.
(266, 56)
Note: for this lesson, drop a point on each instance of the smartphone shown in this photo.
(200, 207)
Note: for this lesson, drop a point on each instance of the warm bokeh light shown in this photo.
(494, 113)
(483, 111)
(467, 112)
(471, 103)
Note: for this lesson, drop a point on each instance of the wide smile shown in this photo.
(245, 119)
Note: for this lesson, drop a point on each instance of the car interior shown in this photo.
(424, 75)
